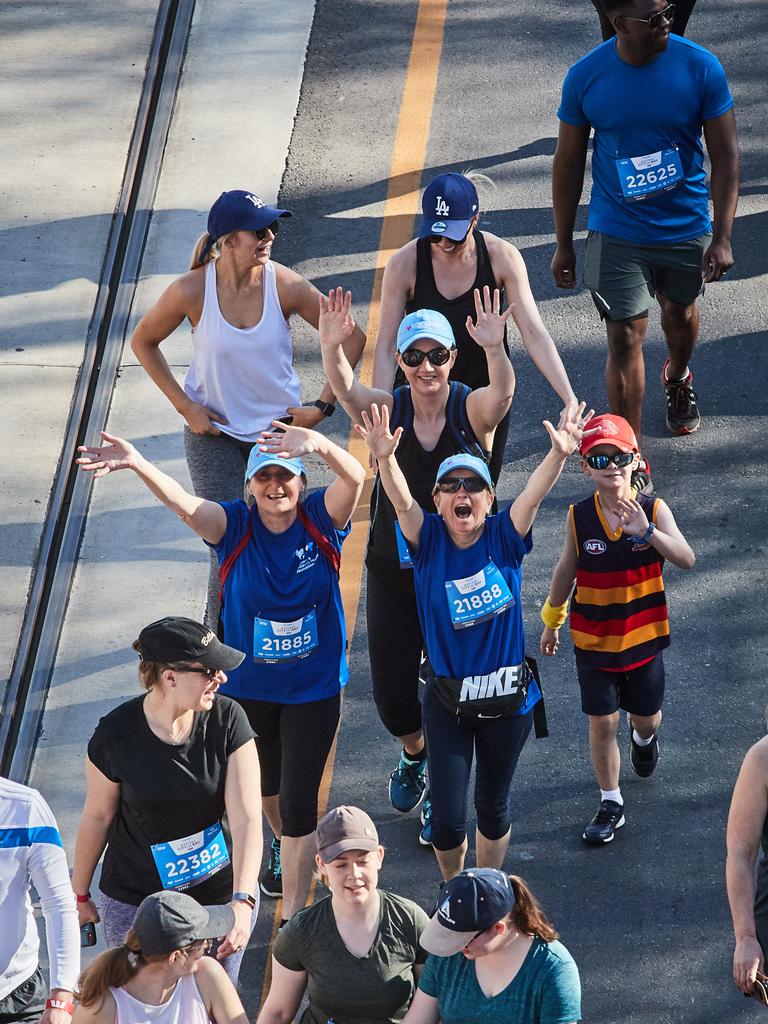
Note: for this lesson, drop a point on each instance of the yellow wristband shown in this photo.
(553, 616)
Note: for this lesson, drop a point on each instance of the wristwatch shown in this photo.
(326, 408)
(244, 897)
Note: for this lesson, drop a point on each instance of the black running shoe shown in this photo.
(641, 478)
(271, 878)
(643, 759)
(682, 409)
(602, 828)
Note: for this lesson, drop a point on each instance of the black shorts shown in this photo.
(639, 691)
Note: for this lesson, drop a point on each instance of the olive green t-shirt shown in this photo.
(345, 989)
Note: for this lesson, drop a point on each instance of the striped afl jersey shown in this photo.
(619, 611)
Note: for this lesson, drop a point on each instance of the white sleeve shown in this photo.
(49, 874)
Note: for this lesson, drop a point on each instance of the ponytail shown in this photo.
(112, 969)
(527, 915)
(207, 248)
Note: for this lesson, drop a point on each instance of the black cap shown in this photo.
(167, 921)
(177, 639)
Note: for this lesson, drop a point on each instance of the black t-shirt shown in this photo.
(167, 792)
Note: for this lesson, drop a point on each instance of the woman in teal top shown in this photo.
(495, 957)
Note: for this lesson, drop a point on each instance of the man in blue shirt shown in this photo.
(647, 94)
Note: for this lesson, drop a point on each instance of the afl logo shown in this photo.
(594, 547)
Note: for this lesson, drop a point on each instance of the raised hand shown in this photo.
(289, 442)
(633, 520)
(375, 432)
(488, 328)
(336, 323)
(117, 454)
(566, 437)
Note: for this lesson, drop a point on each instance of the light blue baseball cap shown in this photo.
(425, 323)
(462, 461)
(258, 460)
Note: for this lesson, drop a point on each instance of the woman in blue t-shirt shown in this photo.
(281, 604)
(480, 695)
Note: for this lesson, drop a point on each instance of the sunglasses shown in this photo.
(619, 460)
(415, 357)
(262, 233)
(655, 19)
(436, 239)
(471, 484)
(210, 672)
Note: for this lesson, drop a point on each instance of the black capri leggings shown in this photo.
(497, 743)
(293, 742)
(394, 650)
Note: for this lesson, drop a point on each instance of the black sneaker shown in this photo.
(682, 409)
(602, 828)
(643, 759)
(641, 478)
(271, 878)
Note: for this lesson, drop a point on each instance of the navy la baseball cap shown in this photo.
(464, 461)
(448, 205)
(238, 210)
(468, 904)
(425, 323)
(258, 460)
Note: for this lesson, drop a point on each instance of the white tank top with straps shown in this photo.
(244, 374)
(185, 1006)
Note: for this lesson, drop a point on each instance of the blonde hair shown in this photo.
(481, 182)
(214, 250)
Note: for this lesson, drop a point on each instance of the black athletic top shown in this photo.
(471, 367)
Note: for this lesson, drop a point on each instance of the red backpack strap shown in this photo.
(328, 550)
(226, 566)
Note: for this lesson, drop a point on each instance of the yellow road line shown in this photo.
(400, 208)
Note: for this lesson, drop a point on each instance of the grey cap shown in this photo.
(166, 921)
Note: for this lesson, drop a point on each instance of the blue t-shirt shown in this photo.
(636, 110)
(494, 643)
(546, 989)
(282, 578)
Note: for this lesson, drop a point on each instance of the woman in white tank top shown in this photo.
(161, 975)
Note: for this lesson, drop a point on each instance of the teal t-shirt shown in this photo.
(546, 989)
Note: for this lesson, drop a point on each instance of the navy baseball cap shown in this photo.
(468, 904)
(239, 210)
(258, 460)
(448, 205)
(425, 323)
(463, 461)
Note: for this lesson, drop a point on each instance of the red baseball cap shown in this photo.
(609, 429)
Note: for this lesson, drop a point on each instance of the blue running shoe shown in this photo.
(407, 783)
(271, 880)
(425, 836)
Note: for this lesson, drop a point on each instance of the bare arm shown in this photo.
(207, 518)
(285, 995)
(396, 288)
(723, 149)
(749, 807)
(423, 1009)
(560, 589)
(104, 1014)
(486, 407)
(335, 326)
(382, 445)
(567, 185)
(219, 995)
(101, 802)
(243, 803)
(666, 538)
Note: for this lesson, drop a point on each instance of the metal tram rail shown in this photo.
(62, 533)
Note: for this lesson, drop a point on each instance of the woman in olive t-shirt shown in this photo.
(356, 953)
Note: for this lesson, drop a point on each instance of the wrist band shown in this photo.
(82, 899)
(60, 1004)
(553, 616)
(648, 534)
(244, 897)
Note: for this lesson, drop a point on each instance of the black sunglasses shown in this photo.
(210, 672)
(261, 234)
(655, 19)
(436, 239)
(471, 484)
(620, 460)
(415, 357)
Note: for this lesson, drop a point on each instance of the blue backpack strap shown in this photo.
(458, 421)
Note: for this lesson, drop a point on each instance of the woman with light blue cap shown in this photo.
(279, 570)
(467, 564)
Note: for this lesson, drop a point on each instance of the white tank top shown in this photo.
(246, 375)
(185, 1006)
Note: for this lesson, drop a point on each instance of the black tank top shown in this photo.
(470, 367)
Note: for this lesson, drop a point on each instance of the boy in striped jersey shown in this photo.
(615, 547)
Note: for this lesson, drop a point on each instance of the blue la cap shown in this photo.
(425, 323)
(258, 460)
(463, 461)
(469, 903)
(238, 210)
(449, 203)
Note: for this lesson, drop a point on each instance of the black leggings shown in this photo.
(496, 743)
(293, 742)
(394, 650)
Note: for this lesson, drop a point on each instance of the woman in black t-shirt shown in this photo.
(162, 770)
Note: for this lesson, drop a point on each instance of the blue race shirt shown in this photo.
(639, 110)
(494, 643)
(284, 577)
